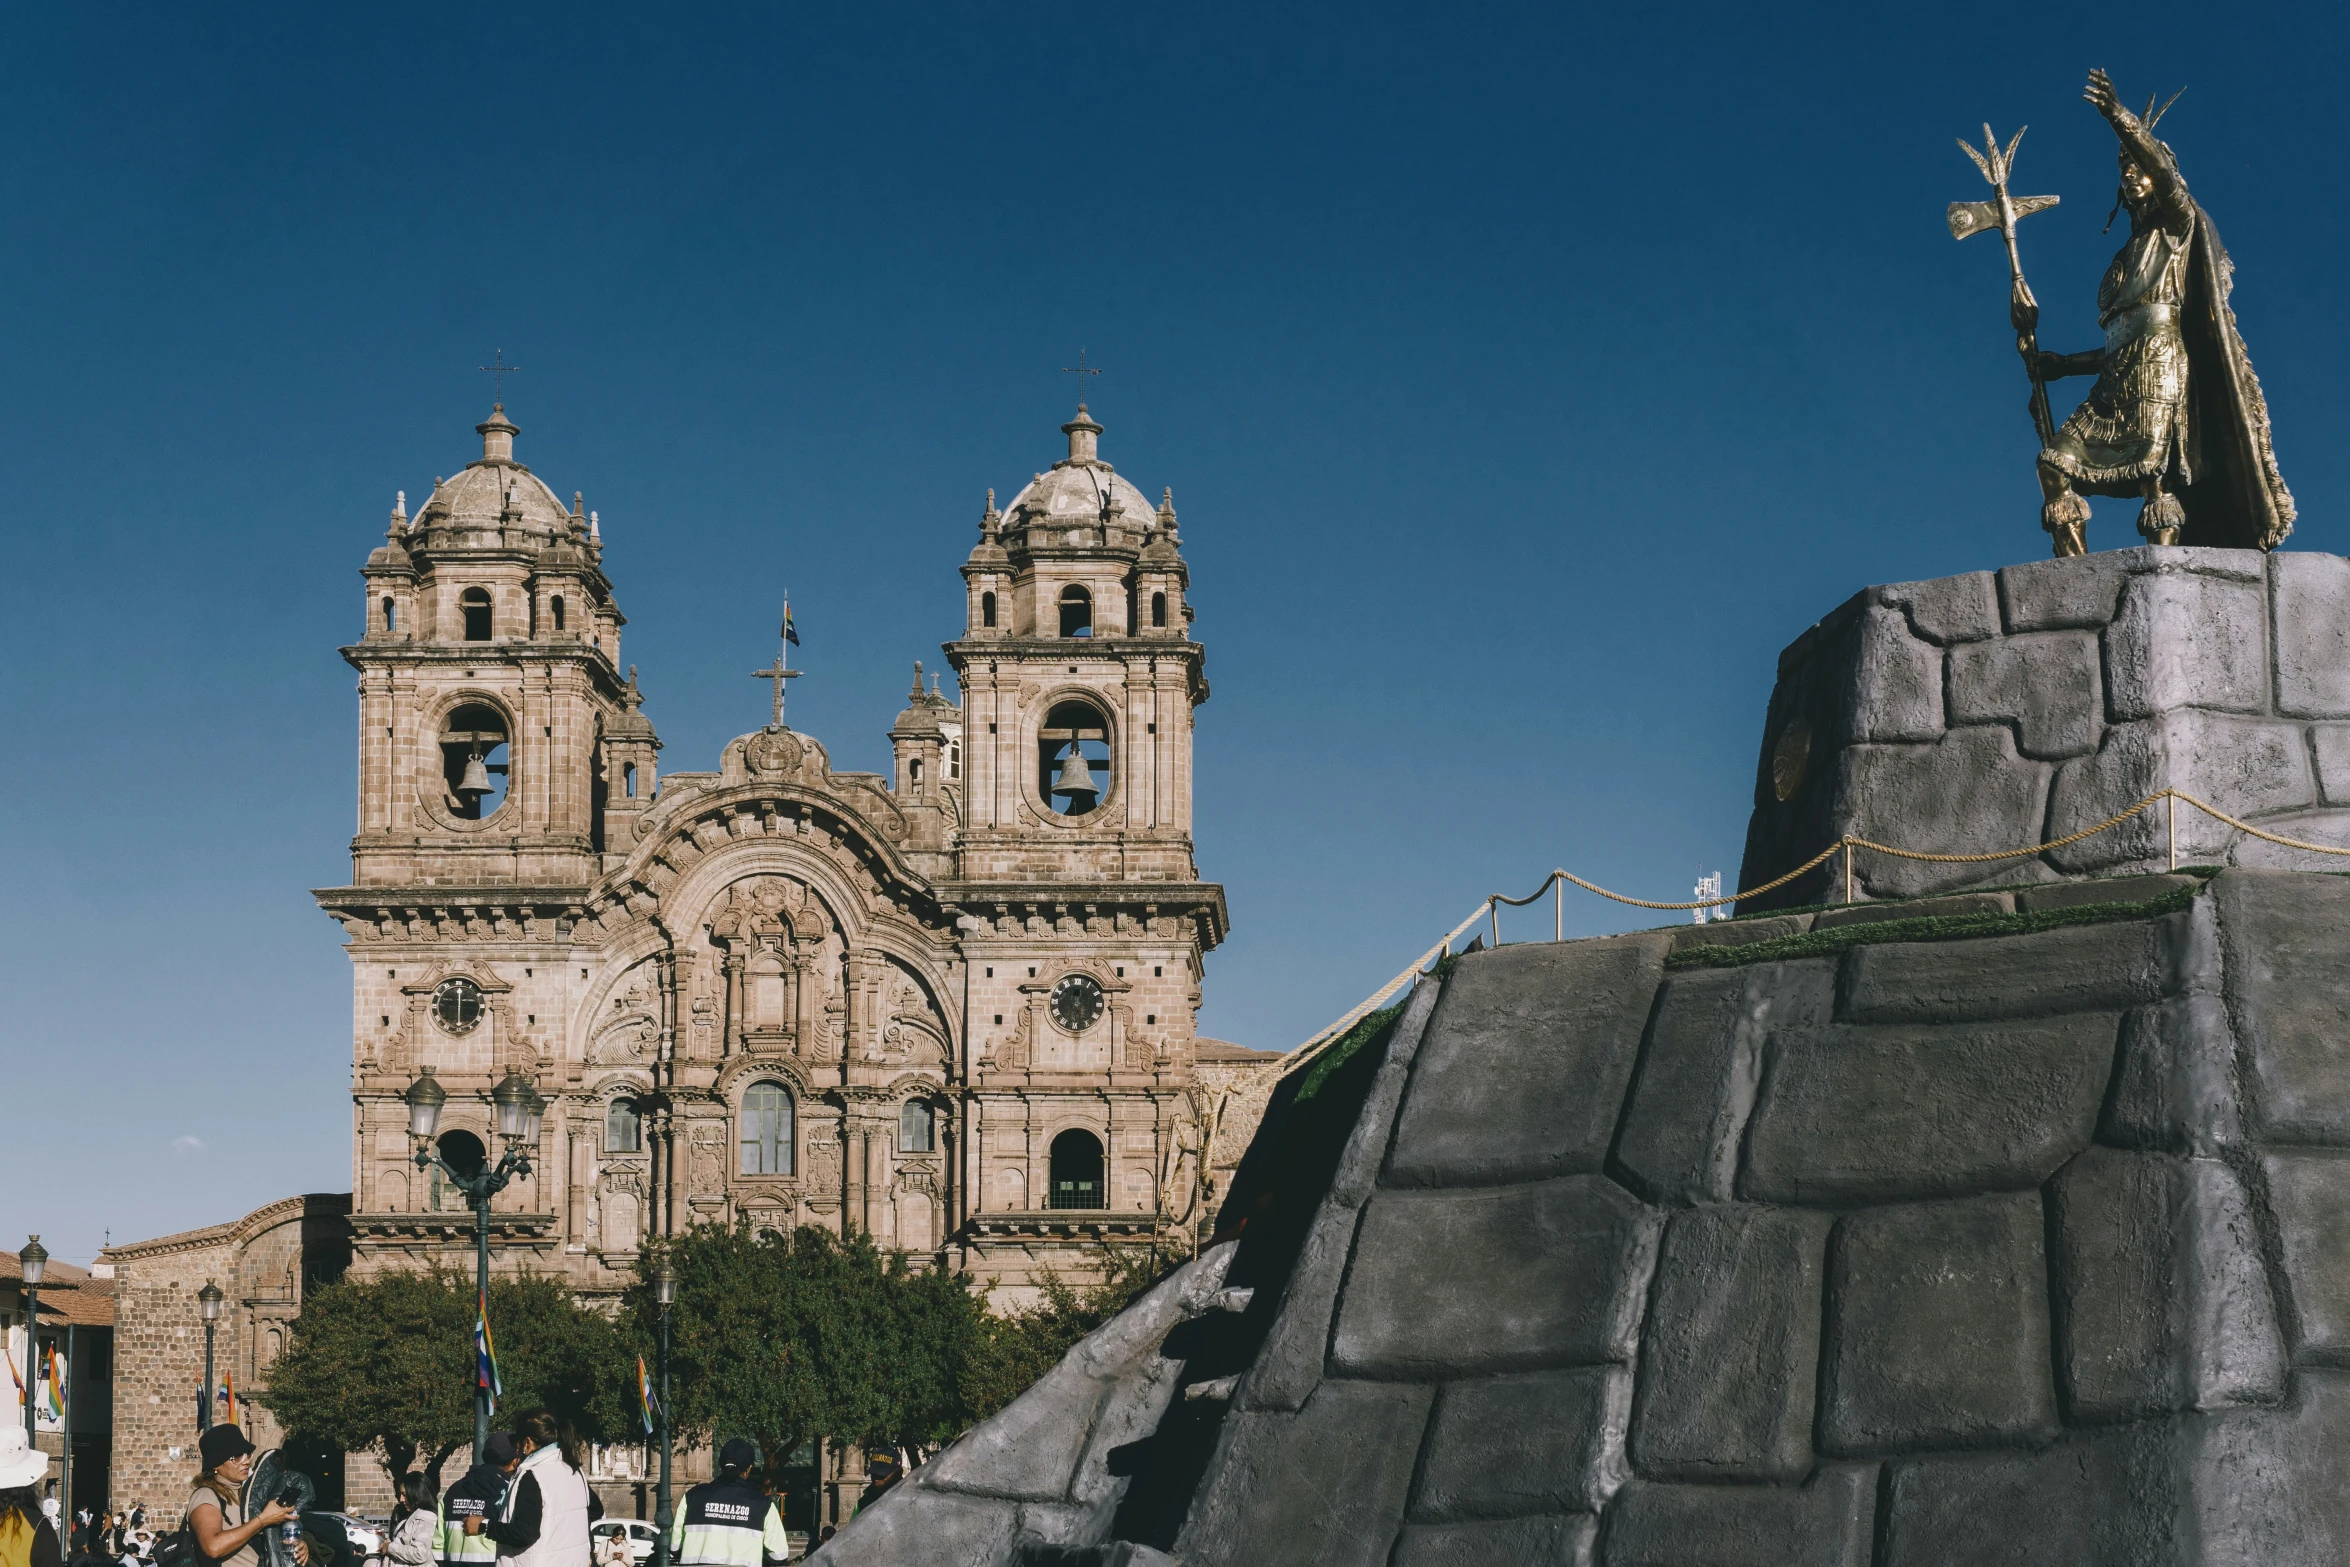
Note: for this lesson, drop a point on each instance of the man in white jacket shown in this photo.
(544, 1521)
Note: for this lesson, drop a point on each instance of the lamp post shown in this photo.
(519, 1110)
(208, 1301)
(34, 1260)
(664, 1292)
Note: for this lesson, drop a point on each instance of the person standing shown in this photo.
(458, 1538)
(415, 1525)
(544, 1519)
(215, 1509)
(730, 1521)
(27, 1537)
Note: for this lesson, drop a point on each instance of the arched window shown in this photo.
(1077, 1171)
(917, 1127)
(476, 730)
(914, 773)
(391, 622)
(463, 1152)
(987, 609)
(474, 604)
(557, 606)
(628, 778)
(767, 1130)
(1076, 612)
(1073, 758)
(1158, 610)
(623, 1127)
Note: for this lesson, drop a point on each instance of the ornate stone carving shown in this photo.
(775, 751)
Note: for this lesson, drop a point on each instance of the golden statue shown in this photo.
(2176, 416)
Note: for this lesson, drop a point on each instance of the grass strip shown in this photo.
(1929, 927)
(1367, 1028)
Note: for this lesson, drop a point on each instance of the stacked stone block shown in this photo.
(1996, 710)
(2028, 1249)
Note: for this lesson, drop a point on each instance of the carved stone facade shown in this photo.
(952, 1007)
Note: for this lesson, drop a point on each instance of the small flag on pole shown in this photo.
(228, 1395)
(645, 1401)
(56, 1384)
(485, 1354)
(790, 633)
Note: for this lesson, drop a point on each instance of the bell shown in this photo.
(477, 777)
(1076, 780)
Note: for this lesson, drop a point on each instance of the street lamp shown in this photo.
(208, 1301)
(34, 1260)
(518, 1110)
(664, 1292)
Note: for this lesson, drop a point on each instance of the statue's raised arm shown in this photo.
(2144, 158)
(2171, 350)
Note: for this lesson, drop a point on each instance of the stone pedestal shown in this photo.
(1999, 709)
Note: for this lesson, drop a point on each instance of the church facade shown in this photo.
(952, 1007)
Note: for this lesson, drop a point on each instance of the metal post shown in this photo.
(2171, 806)
(1558, 907)
(662, 1513)
(1848, 870)
(32, 1361)
(65, 1455)
(1493, 907)
(204, 1420)
(481, 1279)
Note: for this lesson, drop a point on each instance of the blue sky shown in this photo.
(1526, 378)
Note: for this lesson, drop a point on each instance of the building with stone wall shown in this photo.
(77, 1332)
(263, 1264)
(951, 1006)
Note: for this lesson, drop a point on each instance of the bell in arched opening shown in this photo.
(1076, 781)
(476, 781)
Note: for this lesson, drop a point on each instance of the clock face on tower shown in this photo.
(1077, 1003)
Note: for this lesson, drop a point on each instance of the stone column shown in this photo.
(734, 1002)
(852, 1165)
(1035, 1193)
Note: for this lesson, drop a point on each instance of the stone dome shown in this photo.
(478, 494)
(1075, 488)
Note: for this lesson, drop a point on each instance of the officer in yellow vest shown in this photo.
(477, 1495)
(729, 1521)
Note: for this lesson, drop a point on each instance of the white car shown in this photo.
(365, 1538)
(639, 1534)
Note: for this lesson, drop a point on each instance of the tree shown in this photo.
(386, 1363)
(789, 1340)
(1014, 1350)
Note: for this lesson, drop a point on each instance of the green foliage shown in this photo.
(784, 1340)
(1370, 1026)
(387, 1362)
(1016, 1349)
(1935, 927)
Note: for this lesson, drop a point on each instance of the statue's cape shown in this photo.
(2237, 499)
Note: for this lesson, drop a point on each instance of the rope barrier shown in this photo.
(1846, 845)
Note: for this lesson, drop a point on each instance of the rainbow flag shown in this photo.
(645, 1402)
(228, 1395)
(485, 1354)
(791, 633)
(56, 1369)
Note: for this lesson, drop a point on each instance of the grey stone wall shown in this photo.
(1997, 709)
(2024, 1249)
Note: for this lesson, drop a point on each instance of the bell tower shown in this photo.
(1083, 914)
(1079, 679)
(488, 689)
